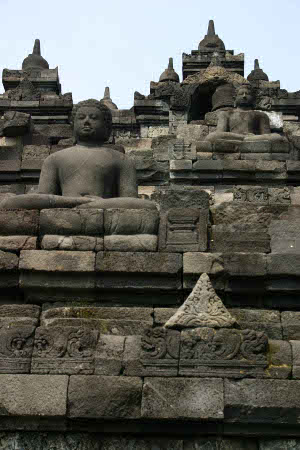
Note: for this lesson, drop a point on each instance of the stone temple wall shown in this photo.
(175, 328)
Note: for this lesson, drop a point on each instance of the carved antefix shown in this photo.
(202, 308)
(209, 343)
(66, 350)
(160, 351)
(217, 352)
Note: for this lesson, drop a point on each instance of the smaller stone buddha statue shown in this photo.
(243, 123)
(91, 174)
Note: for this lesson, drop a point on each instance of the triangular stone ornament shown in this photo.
(202, 308)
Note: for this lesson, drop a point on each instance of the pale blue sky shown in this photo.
(126, 44)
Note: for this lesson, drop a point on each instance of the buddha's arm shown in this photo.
(48, 179)
(222, 124)
(127, 192)
(264, 124)
(127, 182)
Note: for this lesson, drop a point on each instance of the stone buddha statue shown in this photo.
(91, 174)
(243, 123)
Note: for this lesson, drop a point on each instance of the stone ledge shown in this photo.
(262, 401)
(57, 261)
(104, 397)
(33, 395)
(179, 399)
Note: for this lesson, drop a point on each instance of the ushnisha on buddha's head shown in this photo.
(244, 97)
(92, 122)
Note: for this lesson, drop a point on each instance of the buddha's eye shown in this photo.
(81, 116)
(94, 116)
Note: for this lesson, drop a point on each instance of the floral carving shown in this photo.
(65, 343)
(203, 308)
(207, 344)
(160, 343)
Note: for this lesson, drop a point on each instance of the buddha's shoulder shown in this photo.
(60, 155)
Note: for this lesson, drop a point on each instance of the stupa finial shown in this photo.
(106, 92)
(256, 64)
(211, 28)
(37, 48)
(170, 66)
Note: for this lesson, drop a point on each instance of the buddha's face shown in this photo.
(244, 98)
(89, 125)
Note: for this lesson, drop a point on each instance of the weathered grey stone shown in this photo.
(240, 238)
(203, 308)
(245, 264)
(135, 243)
(204, 147)
(106, 326)
(192, 133)
(220, 444)
(109, 355)
(160, 147)
(20, 310)
(296, 358)
(33, 395)
(224, 352)
(132, 364)
(139, 263)
(162, 315)
(255, 147)
(226, 146)
(138, 443)
(17, 243)
(270, 166)
(196, 263)
(226, 213)
(208, 166)
(48, 441)
(57, 261)
(31, 165)
(238, 166)
(182, 398)
(267, 401)
(279, 196)
(257, 156)
(279, 359)
(16, 338)
(79, 243)
(260, 320)
(178, 197)
(104, 397)
(54, 130)
(89, 312)
(15, 123)
(71, 222)
(19, 222)
(279, 444)
(290, 325)
(8, 261)
(283, 264)
(39, 152)
(204, 156)
(285, 236)
(64, 350)
(183, 229)
(130, 222)
(180, 165)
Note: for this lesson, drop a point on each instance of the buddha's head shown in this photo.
(92, 122)
(244, 97)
